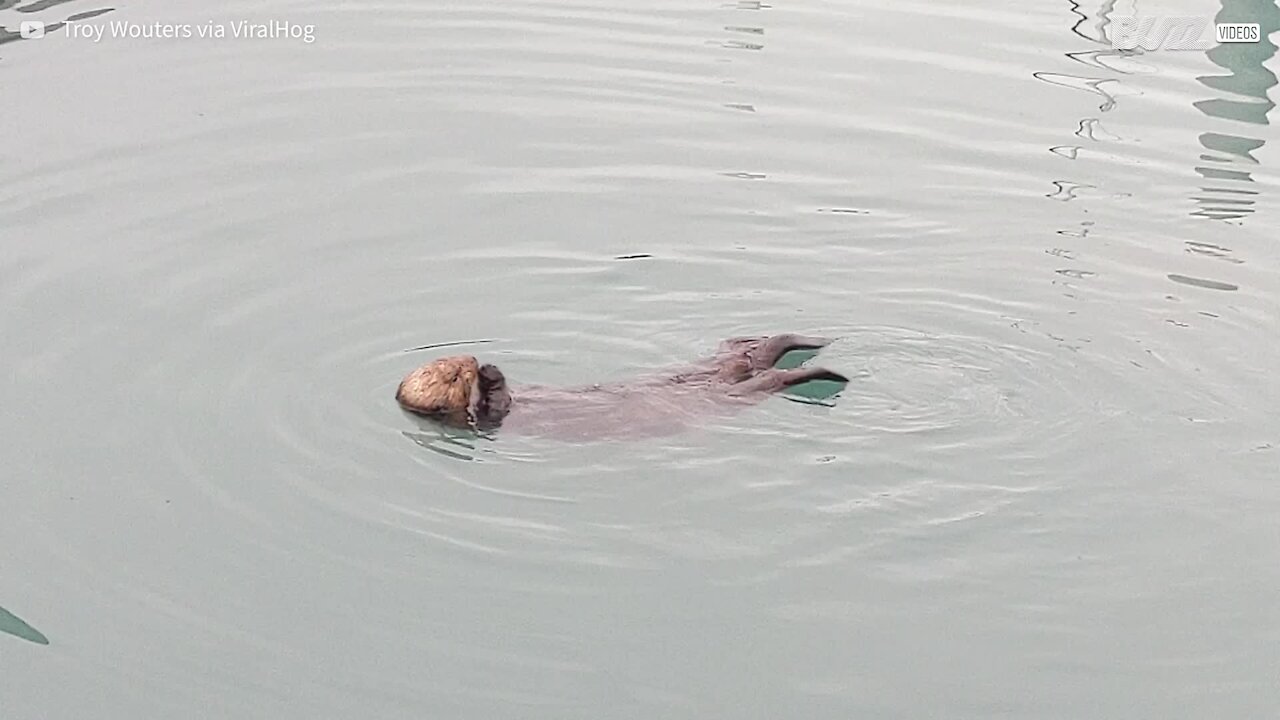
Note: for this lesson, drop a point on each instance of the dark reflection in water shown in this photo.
(747, 33)
(1092, 28)
(439, 440)
(1214, 251)
(1095, 30)
(41, 5)
(1066, 191)
(1226, 164)
(1203, 283)
(450, 343)
(1229, 157)
(1100, 86)
(16, 626)
(7, 35)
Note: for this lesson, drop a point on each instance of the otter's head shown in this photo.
(493, 401)
(456, 390)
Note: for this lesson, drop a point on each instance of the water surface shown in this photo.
(1048, 493)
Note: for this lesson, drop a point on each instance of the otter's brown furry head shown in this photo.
(457, 390)
(445, 387)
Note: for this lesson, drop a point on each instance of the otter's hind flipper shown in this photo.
(773, 380)
(767, 354)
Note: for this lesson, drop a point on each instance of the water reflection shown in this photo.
(1066, 191)
(1204, 283)
(1098, 86)
(440, 438)
(7, 35)
(1230, 158)
(1093, 28)
(746, 33)
(440, 442)
(1213, 251)
(1098, 31)
(16, 626)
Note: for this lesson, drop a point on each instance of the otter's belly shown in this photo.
(613, 412)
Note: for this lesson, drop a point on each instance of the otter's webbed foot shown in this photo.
(773, 380)
(767, 354)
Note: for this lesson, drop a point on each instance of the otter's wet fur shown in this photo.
(460, 391)
(444, 387)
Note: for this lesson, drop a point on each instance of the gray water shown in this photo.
(1049, 492)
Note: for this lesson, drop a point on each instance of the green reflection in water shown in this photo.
(1245, 101)
(14, 625)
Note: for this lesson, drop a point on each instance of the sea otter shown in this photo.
(460, 391)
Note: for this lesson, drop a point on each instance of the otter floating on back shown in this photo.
(460, 391)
